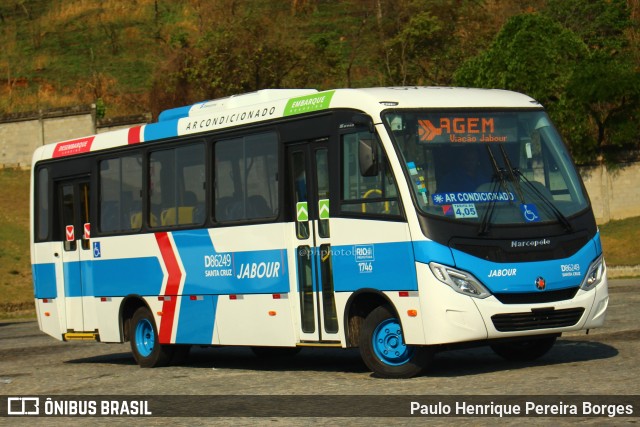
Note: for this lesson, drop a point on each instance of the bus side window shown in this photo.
(42, 200)
(246, 178)
(176, 182)
(376, 194)
(121, 194)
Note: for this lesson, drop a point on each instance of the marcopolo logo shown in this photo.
(308, 103)
(528, 244)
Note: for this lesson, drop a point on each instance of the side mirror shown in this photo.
(368, 156)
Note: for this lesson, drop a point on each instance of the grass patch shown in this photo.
(16, 288)
(620, 241)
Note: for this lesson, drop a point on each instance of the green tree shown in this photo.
(531, 54)
(535, 55)
(605, 86)
(421, 40)
(586, 79)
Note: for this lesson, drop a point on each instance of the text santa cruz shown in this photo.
(475, 197)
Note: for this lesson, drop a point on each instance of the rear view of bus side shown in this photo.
(403, 221)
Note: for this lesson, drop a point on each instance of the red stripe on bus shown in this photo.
(173, 285)
(134, 135)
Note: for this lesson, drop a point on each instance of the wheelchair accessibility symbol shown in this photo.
(529, 213)
(96, 250)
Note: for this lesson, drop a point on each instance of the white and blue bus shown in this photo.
(403, 221)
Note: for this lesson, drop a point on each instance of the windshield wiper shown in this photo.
(517, 176)
(548, 203)
(514, 180)
(497, 180)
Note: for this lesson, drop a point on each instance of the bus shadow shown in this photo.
(242, 358)
(457, 363)
(453, 363)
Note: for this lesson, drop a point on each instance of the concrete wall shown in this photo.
(21, 134)
(614, 194)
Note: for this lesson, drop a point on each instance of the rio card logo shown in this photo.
(365, 257)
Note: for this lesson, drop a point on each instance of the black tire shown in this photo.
(272, 353)
(145, 346)
(383, 350)
(524, 351)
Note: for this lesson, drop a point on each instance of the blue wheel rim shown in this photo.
(388, 344)
(145, 338)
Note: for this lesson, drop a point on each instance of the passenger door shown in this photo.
(73, 204)
(309, 183)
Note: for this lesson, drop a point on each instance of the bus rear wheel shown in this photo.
(145, 346)
(524, 351)
(384, 351)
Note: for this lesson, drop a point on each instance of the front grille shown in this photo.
(537, 297)
(537, 319)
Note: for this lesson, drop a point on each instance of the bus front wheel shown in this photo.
(384, 351)
(145, 346)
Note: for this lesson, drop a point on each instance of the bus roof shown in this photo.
(271, 104)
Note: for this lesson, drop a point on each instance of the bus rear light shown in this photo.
(412, 313)
(272, 313)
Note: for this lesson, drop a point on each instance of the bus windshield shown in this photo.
(489, 167)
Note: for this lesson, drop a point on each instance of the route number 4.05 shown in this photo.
(467, 210)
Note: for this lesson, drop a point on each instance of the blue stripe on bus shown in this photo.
(119, 277)
(382, 266)
(122, 277)
(200, 312)
(44, 280)
(174, 113)
(427, 251)
(211, 272)
(519, 277)
(72, 279)
(160, 130)
(598, 243)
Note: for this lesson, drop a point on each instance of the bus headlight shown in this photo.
(594, 274)
(460, 281)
